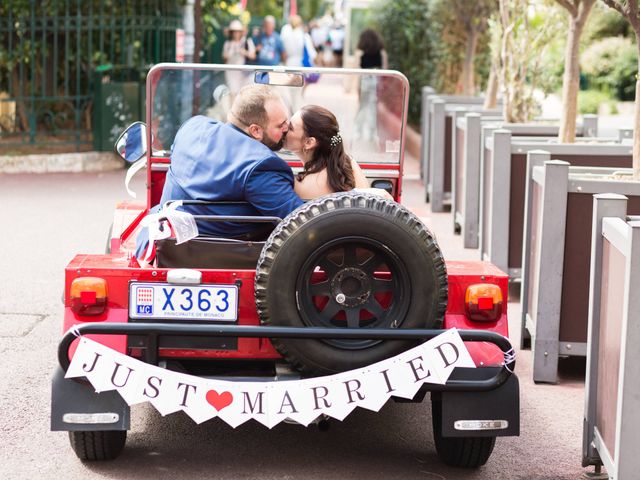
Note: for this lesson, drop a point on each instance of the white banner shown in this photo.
(270, 402)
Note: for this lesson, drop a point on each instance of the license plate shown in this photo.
(183, 302)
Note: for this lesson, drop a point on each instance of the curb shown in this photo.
(61, 163)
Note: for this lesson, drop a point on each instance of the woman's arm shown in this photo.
(250, 51)
(358, 175)
(226, 51)
(385, 59)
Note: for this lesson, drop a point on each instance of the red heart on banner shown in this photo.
(219, 400)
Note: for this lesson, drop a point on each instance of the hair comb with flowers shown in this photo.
(335, 140)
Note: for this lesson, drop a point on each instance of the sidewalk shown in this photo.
(550, 442)
(60, 163)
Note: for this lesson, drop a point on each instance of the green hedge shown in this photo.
(610, 65)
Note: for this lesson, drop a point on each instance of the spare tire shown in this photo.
(351, 260)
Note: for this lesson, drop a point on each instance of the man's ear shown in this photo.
(255, 131)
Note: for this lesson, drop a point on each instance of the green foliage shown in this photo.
(552, 66)
(523, 34)
(445, 32)
(589, 101)
(402, 24)
(610, 65)
(50, 49)
(605, 22)
(426, 41)
(310, 9)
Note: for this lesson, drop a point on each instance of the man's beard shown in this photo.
(272, 145)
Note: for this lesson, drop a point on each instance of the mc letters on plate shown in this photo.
(183, 302)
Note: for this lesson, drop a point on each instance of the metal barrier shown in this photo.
(556, 261)
(503, 184)
(51, 50)
(612, 408)
(154, 330)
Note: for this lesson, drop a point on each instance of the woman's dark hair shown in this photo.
(370, 42)
(320, 123)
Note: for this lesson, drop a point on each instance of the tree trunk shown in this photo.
(491, 97)
(570, 83)
(467, 80)
(197, 47)
(20, 108)
(197, 30)
(636, 122)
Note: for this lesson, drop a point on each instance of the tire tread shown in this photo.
(317, 207)
(97, 445)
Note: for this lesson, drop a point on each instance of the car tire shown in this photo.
(462, 452)
(98, 445)
(321, 267)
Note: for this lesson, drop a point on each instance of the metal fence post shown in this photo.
(471, 181)
(435, 189)
(486, 132)
(498, 208)
(535, 158)
(604, 205)
(628, 420)
(549, 269)
(625, 134)
(590, 125)
(424, 131)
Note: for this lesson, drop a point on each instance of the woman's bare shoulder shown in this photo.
(358, 175)
(313, 185)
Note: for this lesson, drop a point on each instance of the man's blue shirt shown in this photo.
(271, 51)
(215, 161)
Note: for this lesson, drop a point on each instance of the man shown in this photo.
(269, 48)
(233, 161)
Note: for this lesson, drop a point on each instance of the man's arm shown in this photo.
(269, 189)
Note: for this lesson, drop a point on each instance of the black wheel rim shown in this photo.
(353, 282)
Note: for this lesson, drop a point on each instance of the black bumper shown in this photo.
(470, 393)
(471, 382)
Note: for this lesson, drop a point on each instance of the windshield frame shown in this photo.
(346, 72)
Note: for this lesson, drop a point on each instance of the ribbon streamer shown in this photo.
(271, 402)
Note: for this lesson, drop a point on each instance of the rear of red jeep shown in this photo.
(288, 307)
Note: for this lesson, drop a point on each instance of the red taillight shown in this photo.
(88, 295)
(483, 302)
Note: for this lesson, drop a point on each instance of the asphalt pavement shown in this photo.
(47, 218)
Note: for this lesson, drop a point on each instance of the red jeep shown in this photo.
(344, 281)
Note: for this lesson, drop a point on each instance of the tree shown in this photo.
(408, 47)
(522, 36)
(473, 16)
(629, 10)
(493, 84)
(578, 13)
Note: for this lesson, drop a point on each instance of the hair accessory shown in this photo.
(336, 139)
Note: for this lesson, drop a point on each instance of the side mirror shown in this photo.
(132, 143)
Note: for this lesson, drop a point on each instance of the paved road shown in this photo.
(46, 219)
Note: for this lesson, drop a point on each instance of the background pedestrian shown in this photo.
(237, 50)
(268, 44)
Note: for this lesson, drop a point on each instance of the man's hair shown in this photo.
(248, 106)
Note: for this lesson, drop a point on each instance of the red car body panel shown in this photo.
(116, 270)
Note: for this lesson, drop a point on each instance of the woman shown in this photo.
(296, 43)
(314, 136)
(237, 49)
(370, 53)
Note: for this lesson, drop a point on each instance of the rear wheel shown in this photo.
(98, 445)
(464, 452)
(353, 261)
